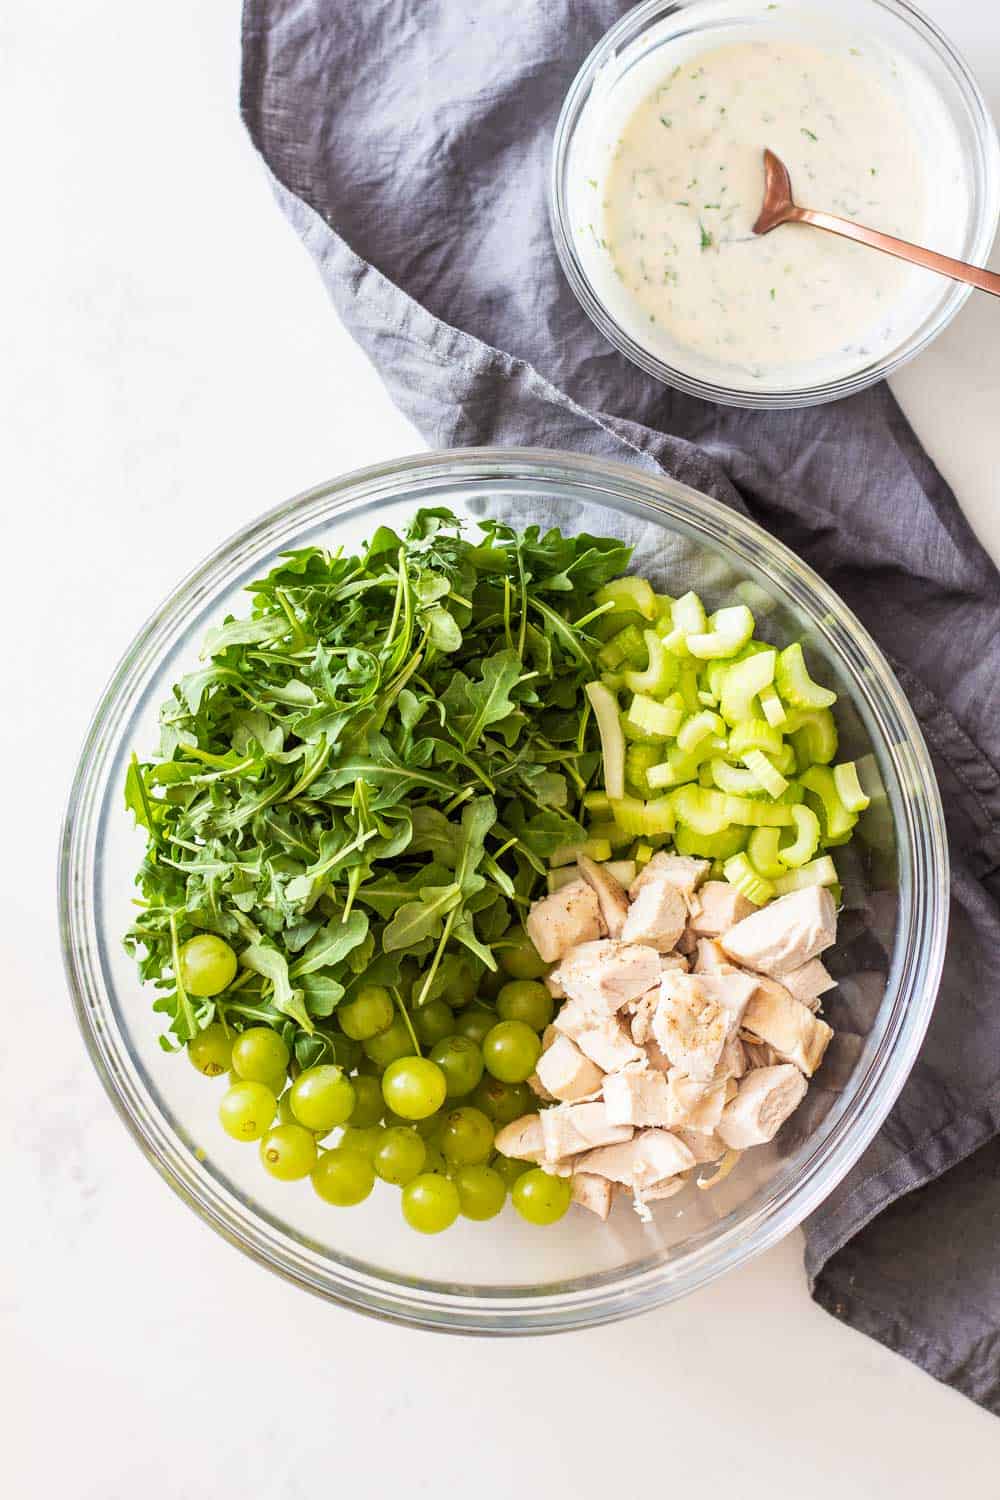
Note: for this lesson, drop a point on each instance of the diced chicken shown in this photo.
(553, 986)
(638, 1096)
(549, 1035)
(809, 982)
(703, 1145)
(657, 1058)
(522, 1139)
(566, 1073)
(609, 1046)
(603, 976)
(710, 958)
(569, 1129)
(641, 1012)
(673, 963)
(695, 1105)
(650, 1157)
(611, 897)
(785, 934)
(766, 1097)
(796, 1035)
(680, 869)
(733, 1062)
(539, 1090)
(592, 1192)
(759, 1055)
(559, 922)
(721, 907)
(657, 916)
(696, 1015)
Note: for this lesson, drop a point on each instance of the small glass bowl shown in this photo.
(506, 1276)
(896, 27)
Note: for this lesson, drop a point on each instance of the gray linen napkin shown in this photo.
(409, 143)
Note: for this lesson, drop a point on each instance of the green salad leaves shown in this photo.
(365, 777)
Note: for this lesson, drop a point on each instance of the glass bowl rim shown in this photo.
(909, 998)
(631, 24)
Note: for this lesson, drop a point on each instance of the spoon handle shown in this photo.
(958, 270)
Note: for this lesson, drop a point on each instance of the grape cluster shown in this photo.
(423, 1123)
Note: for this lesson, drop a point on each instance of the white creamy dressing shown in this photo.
(675, 181)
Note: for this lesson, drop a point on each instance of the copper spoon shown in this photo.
(780, 208)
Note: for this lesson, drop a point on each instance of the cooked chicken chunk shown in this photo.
(611, 897)
(641, 1012)
(796, 1035)
(785, 934)
(650, 1157)
(522, 1139)
(566, 1073)
(602, 976)
(694, 1104)
(657, 916)
(592, 1192)
(682, 871)
(703, 1145)
(720, 907)
(559, 922)
(809, 982)
(733, 1062)
(638, 1096)
(606, 1043)
(759, 1055)
(696, 1015)
(766, 1097)
(569, 1129)
(710, 958)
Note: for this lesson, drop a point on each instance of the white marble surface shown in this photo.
(170, 367)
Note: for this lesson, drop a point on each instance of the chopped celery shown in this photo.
(767, 774)
(793, 682)
(806, 843)
(754, 734)
(785, 760)
(626, 649)
(793, 793)
(608, 830)
(687, 686)
(762, 851)
(629, 593)
(644, 818)
(662, 669)
(596, 803)
(740, 781)
(565, 875)
(709, 845)
(772, 706)
(835, 819)
(681, 765)
(742, 682)
(642, 854)
(821, 871)
(567, 854)
(687, 618)
(729, 630)
(703, 810)
(639, 761)
(705, 777)
(613, 681)
(623, 871)
(697, 727)
(607, 626)
(605, 707)
(753, 813)
(848, 787)
(740, 872)
(661, 720)
(814, 736)
(708, 699)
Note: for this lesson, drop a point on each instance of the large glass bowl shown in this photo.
(506, 1276)
(949, 114)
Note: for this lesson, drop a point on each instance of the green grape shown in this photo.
(433, 1021)
(430, 1203)
(389, 1044)
(368, 1103)
(260, 1055)
(400, 1156)
(414, 1087)
(424, 1128)
(526, 1000)
(211, 1051)
(521, 960)
(343, 1177)
(461, 1062)
(434, 1160)
(367, 1068)
(467, 1137)
(246, 1110)
(491, 981)
(481, 1192)
(459, 981)
(369, 1011)
(322, 1097)
(287, 1115)
(364, 1141)
(475, 1023)
(539, 1198)
(511, 1051)
(509, 1169)
(208, 965)
(503, 1102)
(288, 1152)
